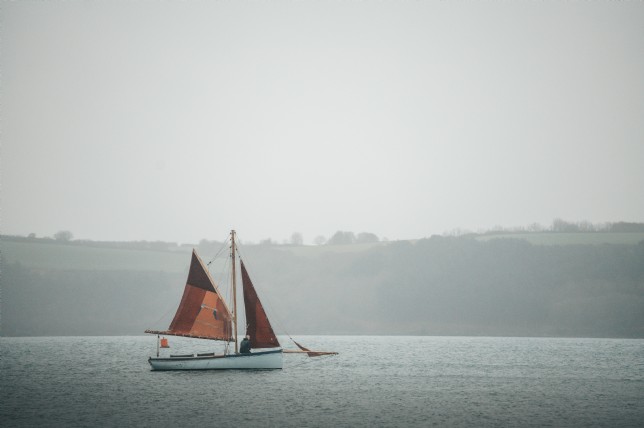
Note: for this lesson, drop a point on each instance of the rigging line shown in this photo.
(223, 279)
(220, 275)
(227, 273)
(266, 300)
(164, 315)
(217, 271)
(223, 247)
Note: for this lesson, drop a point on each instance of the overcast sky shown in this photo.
(179, 120)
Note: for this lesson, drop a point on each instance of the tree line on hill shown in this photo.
(562, 226)
(338, 238)
(204, 245)
(434, 286)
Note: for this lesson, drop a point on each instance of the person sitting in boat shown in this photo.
(244, 346)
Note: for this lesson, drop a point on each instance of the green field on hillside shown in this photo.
(54, 255)
(317, 250)
(577, 238)
(68, 256)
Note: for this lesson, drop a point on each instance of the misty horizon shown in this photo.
(180, 121)
(558, 225)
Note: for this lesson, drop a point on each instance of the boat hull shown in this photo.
(264, 360)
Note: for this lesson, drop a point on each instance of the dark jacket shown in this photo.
(244, 346)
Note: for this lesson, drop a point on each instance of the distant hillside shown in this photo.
(75, 256)
(436, 286)
(569, 238)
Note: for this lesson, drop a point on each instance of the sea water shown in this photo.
(374, 381)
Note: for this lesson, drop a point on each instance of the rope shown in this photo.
(222, 277)
(223, 247)
(266, 300)
(158, 321)
(164, 315)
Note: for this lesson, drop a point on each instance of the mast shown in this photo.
(232, 255)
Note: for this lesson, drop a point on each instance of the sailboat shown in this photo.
(204, 314)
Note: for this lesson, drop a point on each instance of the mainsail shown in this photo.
(202, 312)
(258, 327)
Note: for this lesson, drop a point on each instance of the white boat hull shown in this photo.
(254, 361)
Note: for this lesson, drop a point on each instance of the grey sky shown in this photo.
(181, 120)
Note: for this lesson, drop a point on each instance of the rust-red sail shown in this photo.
(202, 312)
(258, 327)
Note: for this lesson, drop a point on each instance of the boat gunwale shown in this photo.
(210, 357)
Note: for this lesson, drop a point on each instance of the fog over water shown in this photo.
(178, 121)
